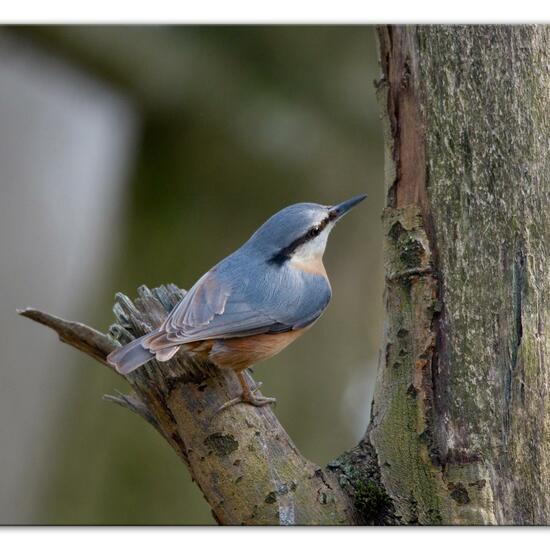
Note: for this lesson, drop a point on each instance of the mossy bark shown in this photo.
(461, 418)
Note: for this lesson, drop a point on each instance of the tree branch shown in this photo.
(79, 336)
(247, 467)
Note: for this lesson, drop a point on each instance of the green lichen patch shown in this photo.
(407, 246)
(358, 474)
(459, 493)
(221, 444)
(370, 499)
(411, 253)
(396, 231)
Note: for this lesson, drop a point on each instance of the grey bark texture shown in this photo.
(461, 413)
(460, 428)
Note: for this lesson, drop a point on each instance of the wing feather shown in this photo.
(205, 300)
(230, 302)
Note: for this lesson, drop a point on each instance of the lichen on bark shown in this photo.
(470, 106)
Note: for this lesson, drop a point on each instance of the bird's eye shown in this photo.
(314, 231)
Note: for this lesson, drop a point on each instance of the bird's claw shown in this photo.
(248, 398)
(228, 404)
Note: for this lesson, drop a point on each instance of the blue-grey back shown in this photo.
(247, 294)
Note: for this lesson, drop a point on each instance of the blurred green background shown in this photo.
(144, 155)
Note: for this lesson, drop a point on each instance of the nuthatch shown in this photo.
(252, 304)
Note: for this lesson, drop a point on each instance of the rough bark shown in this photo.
(461, 415)
(460, 428)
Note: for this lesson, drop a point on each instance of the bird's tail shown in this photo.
(131, 356)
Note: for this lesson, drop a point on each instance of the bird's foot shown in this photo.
(258, 401)
(250, 398)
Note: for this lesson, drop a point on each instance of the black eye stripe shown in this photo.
(287, 252)
(324, 223)
(314, 231)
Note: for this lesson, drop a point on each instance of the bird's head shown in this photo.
(299, 232)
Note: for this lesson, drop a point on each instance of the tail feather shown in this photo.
(130, 357)
(166, 353)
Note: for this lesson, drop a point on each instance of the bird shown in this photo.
(253, 303)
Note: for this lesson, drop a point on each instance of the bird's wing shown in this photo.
(231, 303)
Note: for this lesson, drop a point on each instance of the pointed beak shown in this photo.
(336, 212)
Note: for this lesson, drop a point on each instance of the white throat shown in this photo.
(313, 250)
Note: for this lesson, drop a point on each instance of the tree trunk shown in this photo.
(461, 418)
(460, 429)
